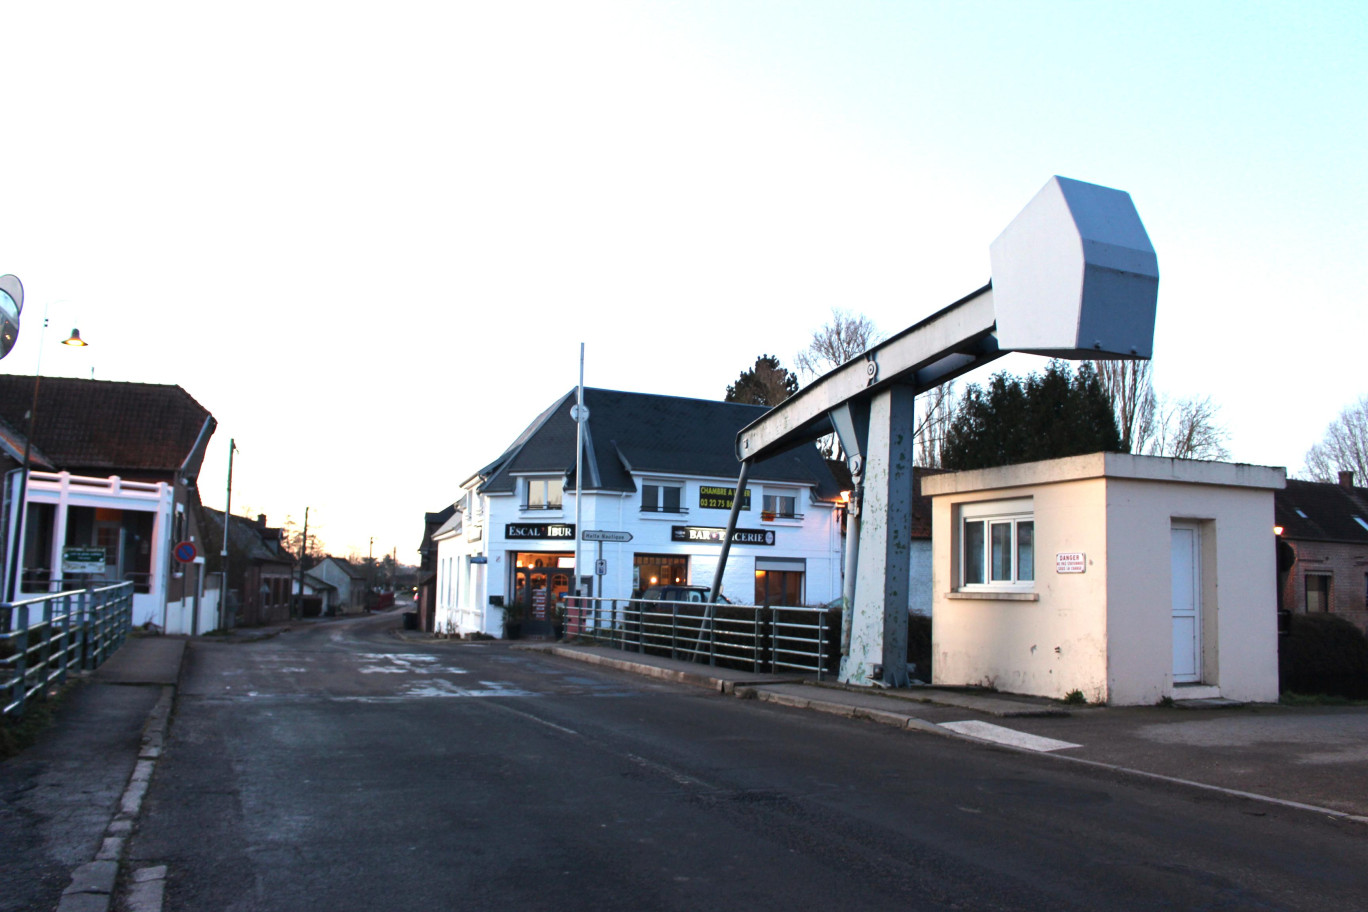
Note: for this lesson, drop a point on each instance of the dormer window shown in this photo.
(544, 493)
(659, 497)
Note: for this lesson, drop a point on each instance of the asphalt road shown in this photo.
(341, 768)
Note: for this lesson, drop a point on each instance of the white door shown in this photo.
(1187, 604)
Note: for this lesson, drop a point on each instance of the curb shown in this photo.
(696, 679)
(93, 884)
(754, 690)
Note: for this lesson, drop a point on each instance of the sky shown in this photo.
(370, 238)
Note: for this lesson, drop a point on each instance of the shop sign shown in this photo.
(715, 536)
(83, 560)
(480, 559)
(1071, 562)
(539, 531)
(715, 497)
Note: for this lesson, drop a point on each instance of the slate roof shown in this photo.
(99, 427)
(651, 435)
(1321, 511)
(252, 540)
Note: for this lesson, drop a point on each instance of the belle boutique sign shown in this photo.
(540, 530)
(713, 497)
(711, 535)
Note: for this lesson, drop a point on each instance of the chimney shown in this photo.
(1346, 479)
(261, 520)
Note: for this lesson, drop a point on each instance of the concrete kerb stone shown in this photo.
(92, 884)
(147, 890)
(93, 877)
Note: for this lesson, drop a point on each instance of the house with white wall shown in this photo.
(1126, 578)
(111, 490)
(348, 581)
(659, 468)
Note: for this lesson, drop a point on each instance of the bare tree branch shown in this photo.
(1344, 448)
(846, 336)
(1188, 429)
(1129, 386)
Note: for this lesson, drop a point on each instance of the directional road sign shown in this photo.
(600, 535)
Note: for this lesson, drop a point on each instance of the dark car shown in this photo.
(682, 594)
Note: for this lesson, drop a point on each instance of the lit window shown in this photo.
(997, 544)
(661, 498)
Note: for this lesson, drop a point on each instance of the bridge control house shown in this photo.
(659, 481)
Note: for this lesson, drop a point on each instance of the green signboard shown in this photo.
(83, 560)
(715, 497)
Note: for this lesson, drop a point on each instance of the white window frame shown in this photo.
(1011, 517)
(768, 494)
(543, 484)
(662, 484)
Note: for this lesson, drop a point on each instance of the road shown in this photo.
(339, 767)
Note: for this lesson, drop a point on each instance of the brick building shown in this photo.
(1323, 548)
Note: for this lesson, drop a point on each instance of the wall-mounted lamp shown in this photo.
(1277, 530)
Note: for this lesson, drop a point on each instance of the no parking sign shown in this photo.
(185, 552)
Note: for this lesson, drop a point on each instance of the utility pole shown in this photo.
(223, 553)
(303, 553)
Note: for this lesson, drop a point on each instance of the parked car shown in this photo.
(682, 594)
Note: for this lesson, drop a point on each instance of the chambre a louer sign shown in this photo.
(709, 534)
(716, 497)
(540, 531)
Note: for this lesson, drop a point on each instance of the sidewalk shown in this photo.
(1313, 758)
(71, 799)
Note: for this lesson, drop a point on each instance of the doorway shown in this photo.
(1185, 557)
(541, 581)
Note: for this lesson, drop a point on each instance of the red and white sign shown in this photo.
(1071, 562)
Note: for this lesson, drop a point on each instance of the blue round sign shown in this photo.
(185, 552)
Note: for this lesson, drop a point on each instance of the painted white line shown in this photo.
(987, 731)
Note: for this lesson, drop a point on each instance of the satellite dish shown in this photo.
(11, 304)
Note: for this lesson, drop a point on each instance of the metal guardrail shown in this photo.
(45, 638)
(755, 638)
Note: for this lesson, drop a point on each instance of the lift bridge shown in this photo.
(1073, 276)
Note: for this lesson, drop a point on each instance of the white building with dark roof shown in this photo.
(659, 468)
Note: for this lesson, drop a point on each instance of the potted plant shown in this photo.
(513, 618)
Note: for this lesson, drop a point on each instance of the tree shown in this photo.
(1129, 387)
(767, 383)
(1187, 429)
(1344, 448)
(847, 336)
(935, 412)
(1052, 414)
(1153, 424)
(292, 533)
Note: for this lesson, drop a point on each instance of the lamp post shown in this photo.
(21, 502)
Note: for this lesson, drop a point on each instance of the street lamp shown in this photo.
(6, 343)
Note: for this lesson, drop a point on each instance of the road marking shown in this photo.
(986, 731)
(538, 719)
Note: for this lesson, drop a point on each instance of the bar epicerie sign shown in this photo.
(1071, 562)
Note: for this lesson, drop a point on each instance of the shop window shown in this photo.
(779, 581)
(658, 570)
(779, 505)
(997, 545)
(1317, 593)
(662, 498)
(544, 493)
